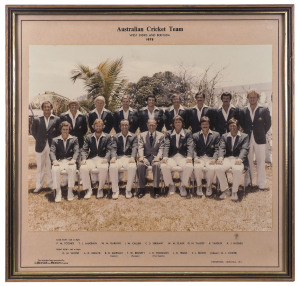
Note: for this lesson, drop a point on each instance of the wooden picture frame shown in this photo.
(262, 254)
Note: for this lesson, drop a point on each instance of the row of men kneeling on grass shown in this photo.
(202, 151)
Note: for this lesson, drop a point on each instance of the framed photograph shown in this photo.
(57, 56)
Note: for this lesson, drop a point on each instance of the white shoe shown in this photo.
(234, 196)
(172, 189)
(100, 194)
(115, 195)
(199, 191)
(128, 194)
(37, 190)
(223, 195)
(88, 194)
(183, 192)
(58, 196)
(208, 192)
(70, 195)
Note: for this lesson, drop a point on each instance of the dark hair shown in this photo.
(152, 96)
(64, 124)
(200, 92)
(47, 101)
(226, 94)
(124, 120)
(178, 117)
(233, 121)
(204, 119)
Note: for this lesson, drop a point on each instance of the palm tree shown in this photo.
(105, 79)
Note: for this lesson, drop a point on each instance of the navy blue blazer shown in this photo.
(90, 149)
(58, 151)
(106, 117)
(143, 119)
(133, 118)
(194, 121)
(185, 148)
(131, 147)
(221, 123)
(169, 115)
(240, 148)
(210, 149)
(260, 125)
(41, 134)
(80, 128)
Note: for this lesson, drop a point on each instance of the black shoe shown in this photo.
(140, 193)
(156, 193)
(188, 193)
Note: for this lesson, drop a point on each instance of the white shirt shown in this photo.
(252, 113)
(182, 133)
(199, 112)
(65, 141)
(176, 113)
(126, 113)
(205, 137)
(233, 138)
(72, 118)
(151, 115)
(47, 121)
(225, 114)
(99, 115)
(124, 139)
(98, 140)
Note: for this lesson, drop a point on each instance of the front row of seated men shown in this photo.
(101, 152)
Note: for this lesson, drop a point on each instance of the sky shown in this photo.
(50, 66)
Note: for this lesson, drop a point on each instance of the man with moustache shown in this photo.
(233, 152)
(225, 113)
(176, 109)
(151, 112)
(95, 155)
(200, 110)
(44, 129)
(101, 113)
(178, 151)
(206, 148)
(126, 112)
(150, 149)
(123, 154)
(256, 122)
(64, 153)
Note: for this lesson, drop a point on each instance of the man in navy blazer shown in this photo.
(225, 113)
(95, 154)
(64, 153)
(233, 152)
(176, 109)
(200, 110)
(77, 121)
(123, 155)
(44, 129)
(126, 112)
(206, 148)
(151, 145)
(256, 122)
(151, 112)
(178, 151)
(101, 113)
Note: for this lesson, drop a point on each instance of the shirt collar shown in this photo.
(95, 110)
(180, 107)
(128, 134)
(69, 137)
(209, 132)
(154, 133)
(230, 106)
(102, 135)
(181, 132)
(258, 105)
(196, 106)
(146, 108)
(121, 109)
(70, 114)
(238, 134)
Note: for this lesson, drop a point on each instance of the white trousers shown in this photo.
(114, 168)
(237, 172)
(71, 170)
(43, 164)
(210, 170)
(177, 160)
(94, 163)
(260, 155)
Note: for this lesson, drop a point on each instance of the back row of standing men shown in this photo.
(254, 119)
